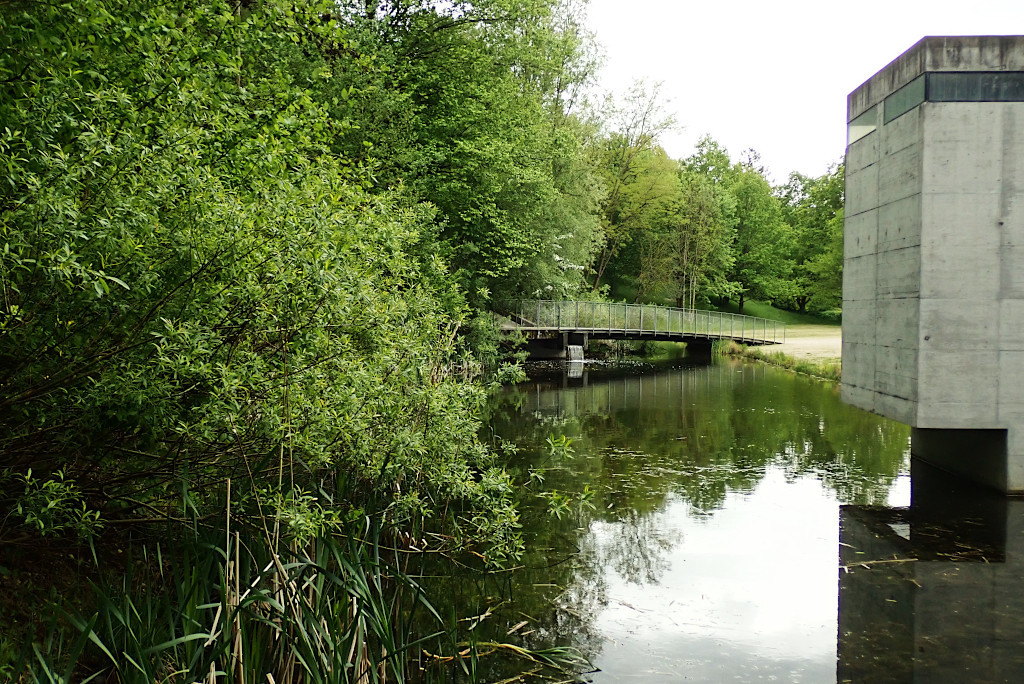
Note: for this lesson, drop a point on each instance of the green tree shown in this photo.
(476, 110)
(641, 181)
(757, 261)
(712, 161)
(814, 207)
(704, 246)
(762, 244)
(687, 254)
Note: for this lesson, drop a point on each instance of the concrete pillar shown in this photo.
(975, 455)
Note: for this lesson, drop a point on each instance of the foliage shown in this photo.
(715, 232)
(195, 289)
(740, 240)
(765, 310)
(706, 253)
(51, 506)
(708, 228)
(254, 243)
(763, 239)
(640, 179)
(476, 111)
(814, 207)
(198, 285)
(332, 610)
(719, 231)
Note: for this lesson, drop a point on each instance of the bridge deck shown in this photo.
(604, 320)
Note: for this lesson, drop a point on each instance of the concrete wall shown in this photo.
(882, 269)
(933, 311)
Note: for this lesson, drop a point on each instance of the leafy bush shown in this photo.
(195, 289)
(51, 506)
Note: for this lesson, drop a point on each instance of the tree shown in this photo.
(688, 252)
(814, 207)
(641, 181)
(757, 260)
(825, 269)
(196, 289)
(705, 248)
(476, 112)
(712, 161)
(763, 239)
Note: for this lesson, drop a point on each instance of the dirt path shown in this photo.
(814, 342)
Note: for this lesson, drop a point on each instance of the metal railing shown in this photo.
(644, 319)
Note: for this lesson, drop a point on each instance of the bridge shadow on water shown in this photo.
(933, 592)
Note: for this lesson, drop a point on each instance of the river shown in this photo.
(702, 522)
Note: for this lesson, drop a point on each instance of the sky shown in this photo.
(772, 76)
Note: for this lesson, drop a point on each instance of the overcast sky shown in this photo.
(773, 76)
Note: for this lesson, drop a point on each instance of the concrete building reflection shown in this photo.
(933, 592)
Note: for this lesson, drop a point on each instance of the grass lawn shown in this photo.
(622, 292)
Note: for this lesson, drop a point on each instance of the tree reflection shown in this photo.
(692, 435)
(701, 433)
(634, 546)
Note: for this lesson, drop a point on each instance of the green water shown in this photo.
(691, 530)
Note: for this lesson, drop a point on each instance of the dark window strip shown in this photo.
(975, 86)
(904, 99)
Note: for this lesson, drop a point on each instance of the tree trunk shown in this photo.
(602, 264)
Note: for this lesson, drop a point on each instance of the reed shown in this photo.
(335, 611)
(340, 610)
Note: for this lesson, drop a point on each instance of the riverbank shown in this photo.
(814, 350)
(825, 370)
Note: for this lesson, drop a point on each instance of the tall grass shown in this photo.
(334, 611)
(339, 610)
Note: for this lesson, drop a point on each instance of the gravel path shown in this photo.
(815, 342)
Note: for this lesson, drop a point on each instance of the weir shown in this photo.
(933, 279)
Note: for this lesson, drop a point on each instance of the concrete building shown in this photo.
(933, 284)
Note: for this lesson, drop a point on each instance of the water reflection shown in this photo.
(574, 369)
(703, 541)
(933, 592)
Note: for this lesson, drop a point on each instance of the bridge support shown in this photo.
(577, 339)
(556, 348)
(545, 349)
(701, 348)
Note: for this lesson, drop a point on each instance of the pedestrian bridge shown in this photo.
(574, 323)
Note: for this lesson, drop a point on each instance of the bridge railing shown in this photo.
(647, 319)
